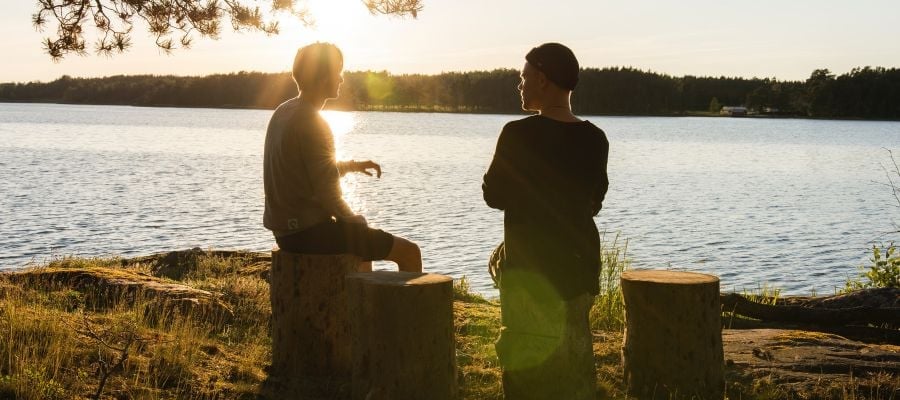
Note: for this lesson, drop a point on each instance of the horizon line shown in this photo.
(650, 71)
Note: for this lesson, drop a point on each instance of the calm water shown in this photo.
(790, 203)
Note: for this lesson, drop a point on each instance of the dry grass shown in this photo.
(56, 343)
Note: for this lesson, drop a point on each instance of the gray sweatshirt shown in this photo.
(301, 175)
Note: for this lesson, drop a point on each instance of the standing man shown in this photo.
(549, 177)
(305, 209)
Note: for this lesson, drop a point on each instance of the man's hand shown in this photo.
(365, 166)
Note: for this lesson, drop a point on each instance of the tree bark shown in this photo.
(310, 328)
(673, 336)
(402, 344)
(799, 314)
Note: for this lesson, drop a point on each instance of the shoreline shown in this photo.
(703, 114)
(760, 287)
(221, 348)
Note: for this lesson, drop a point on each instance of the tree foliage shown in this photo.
(170, 20)
(867, 93)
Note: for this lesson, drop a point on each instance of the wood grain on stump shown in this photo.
(310, 328)
(673, 336)
(402, 343)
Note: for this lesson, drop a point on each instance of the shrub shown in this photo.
(883, 272)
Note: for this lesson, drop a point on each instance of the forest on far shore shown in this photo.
(863, 93)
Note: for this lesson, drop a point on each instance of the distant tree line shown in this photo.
(867, 93)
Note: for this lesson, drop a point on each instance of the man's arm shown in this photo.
(498, 181)
(602, 185)
(317, 152)
(359, 166)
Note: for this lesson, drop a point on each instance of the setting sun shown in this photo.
(331, 21)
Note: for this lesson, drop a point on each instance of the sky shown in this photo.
(784, 39)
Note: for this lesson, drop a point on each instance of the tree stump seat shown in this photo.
(310, 328)
(402, 336)
(673, 337)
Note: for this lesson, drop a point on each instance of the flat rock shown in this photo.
(177, 264)
(105, 286)
(804, 362)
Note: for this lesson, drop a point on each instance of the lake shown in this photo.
(792, 204)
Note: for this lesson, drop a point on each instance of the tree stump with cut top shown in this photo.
(310, 328)
(402, 344)
(673, 335)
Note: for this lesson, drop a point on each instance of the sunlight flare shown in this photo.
(342, 123)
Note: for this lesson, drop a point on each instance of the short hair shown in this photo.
(313, 61)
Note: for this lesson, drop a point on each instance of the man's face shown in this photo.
(332, 82)
(528, 87)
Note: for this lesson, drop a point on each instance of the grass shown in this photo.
(54, 344)
(608, 311)
(61, 343)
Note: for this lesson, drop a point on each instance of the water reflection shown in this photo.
(342, 123)
(791, 203)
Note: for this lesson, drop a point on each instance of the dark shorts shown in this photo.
(338, 237)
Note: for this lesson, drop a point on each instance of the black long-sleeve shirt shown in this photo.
(549, 177)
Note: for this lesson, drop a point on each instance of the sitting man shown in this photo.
(305, 209)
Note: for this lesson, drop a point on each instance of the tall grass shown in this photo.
(608, 311)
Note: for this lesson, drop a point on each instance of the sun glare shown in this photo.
(331, 20)
(341, 123)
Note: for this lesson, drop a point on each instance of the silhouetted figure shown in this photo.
(549, 177)
(305, 209)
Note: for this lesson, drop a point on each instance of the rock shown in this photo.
(104, 287)
(803, 363)
(871, 298)
(177, 264)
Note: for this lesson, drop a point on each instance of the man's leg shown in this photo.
(545, 347)
(341, 237)
(406, 254)
(579, 356)
(529, 339)
(376, 244)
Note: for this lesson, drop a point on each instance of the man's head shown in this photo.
(317, 69)
(550, 71)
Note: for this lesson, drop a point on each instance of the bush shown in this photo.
(884, 272)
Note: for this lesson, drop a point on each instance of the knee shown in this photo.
(414, 249)
(409, 248)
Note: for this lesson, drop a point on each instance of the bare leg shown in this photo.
(365, 266)
(406, 254)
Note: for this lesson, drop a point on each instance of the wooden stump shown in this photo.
(310, 328)
(673, 335)
(402, 343)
